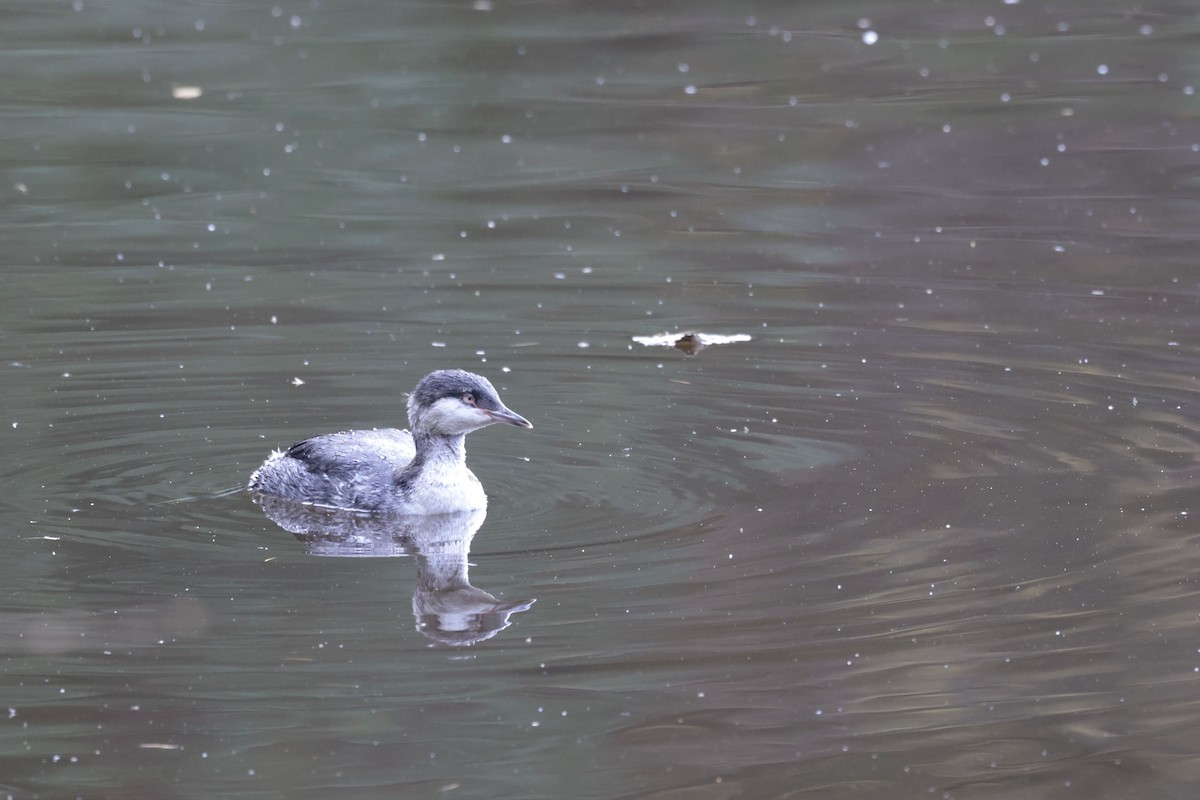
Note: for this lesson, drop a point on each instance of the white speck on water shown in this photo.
(1102, 69)
(689, 89)
(583, 345)
(870, 37)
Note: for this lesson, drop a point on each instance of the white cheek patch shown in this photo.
(451, 415)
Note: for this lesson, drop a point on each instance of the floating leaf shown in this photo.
(691, 342)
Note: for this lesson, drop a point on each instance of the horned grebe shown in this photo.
(390, 470)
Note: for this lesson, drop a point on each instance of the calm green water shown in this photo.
(928, 533)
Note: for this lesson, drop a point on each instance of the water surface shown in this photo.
(928, 532)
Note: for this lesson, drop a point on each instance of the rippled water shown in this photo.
(927, 532)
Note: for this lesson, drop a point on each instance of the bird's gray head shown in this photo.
(450, 402)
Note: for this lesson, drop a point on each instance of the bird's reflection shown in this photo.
(447, 608)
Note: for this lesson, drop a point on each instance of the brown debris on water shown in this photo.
(690, 342)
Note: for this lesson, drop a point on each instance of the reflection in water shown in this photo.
(447, 608)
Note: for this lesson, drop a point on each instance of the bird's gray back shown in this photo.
(336, 454)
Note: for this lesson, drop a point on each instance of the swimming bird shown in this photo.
(396, 471)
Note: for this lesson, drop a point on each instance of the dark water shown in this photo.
(928, 533)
